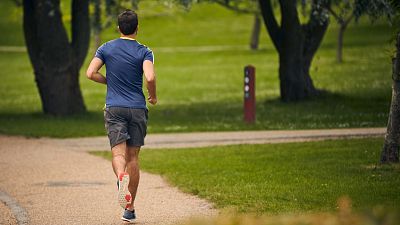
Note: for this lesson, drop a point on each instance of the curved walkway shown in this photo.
(54, 181)
(56, 185)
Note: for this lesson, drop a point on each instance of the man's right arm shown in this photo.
(93, 71)
(149, 73)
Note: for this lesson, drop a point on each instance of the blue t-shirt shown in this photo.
(124, 71)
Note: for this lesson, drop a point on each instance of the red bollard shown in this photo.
(249, 94)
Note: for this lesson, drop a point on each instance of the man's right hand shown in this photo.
(152, 100)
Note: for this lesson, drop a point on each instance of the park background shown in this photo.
(200, 55)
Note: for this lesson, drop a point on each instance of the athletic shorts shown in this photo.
(125, 124)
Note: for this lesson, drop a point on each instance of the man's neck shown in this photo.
(131, 36)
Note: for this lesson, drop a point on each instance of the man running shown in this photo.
(125, 114)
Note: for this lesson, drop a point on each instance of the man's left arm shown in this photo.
(93, 71)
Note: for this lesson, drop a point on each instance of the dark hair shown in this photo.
(128, 22)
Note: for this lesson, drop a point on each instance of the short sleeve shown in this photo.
(100, 53)
(148, 55)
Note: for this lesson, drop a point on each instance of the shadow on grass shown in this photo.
(327, 111)
(37, 124)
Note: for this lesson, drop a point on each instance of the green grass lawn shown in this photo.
(203, 91)
(280, 178)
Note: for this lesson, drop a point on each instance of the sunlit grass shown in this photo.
(280, 178)
(203, 90)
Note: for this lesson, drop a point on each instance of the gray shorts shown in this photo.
(125, 124)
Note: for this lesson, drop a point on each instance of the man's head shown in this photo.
(128, 22)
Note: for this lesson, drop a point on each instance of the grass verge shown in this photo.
(280, 178)
(344, 216)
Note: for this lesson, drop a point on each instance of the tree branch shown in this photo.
(271, 24)
(51, 35)
(290, 17)
(314, 31)
(30, 32)
(347, 21)
(80, 26)
(396, 61)
(334, 14)
(341, 21)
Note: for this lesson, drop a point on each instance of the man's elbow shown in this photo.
(151, 79)
(89, 74)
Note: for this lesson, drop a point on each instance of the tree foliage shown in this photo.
(104, 12)
(375, 9)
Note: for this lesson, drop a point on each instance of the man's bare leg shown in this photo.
(132, 167)
(118, 158)
(119, 163)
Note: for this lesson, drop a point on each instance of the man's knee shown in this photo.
(133, 153)
(119, 150)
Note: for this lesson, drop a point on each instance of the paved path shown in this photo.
(203, 139)
(55, 181)
(56, 185)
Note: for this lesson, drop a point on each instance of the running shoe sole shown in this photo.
(128, 220)
(124, 196)
(129, 216)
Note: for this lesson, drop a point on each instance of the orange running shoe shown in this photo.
(124, 196)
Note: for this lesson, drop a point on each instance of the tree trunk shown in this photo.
(339, 50)
(59, 91)
(55, 61)
(97, 39)
(97, 24)
(255, 34)
(292, 84)
(343, 26)
(296, 45)
(135, 4)
(390, 150)
(295, 81)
